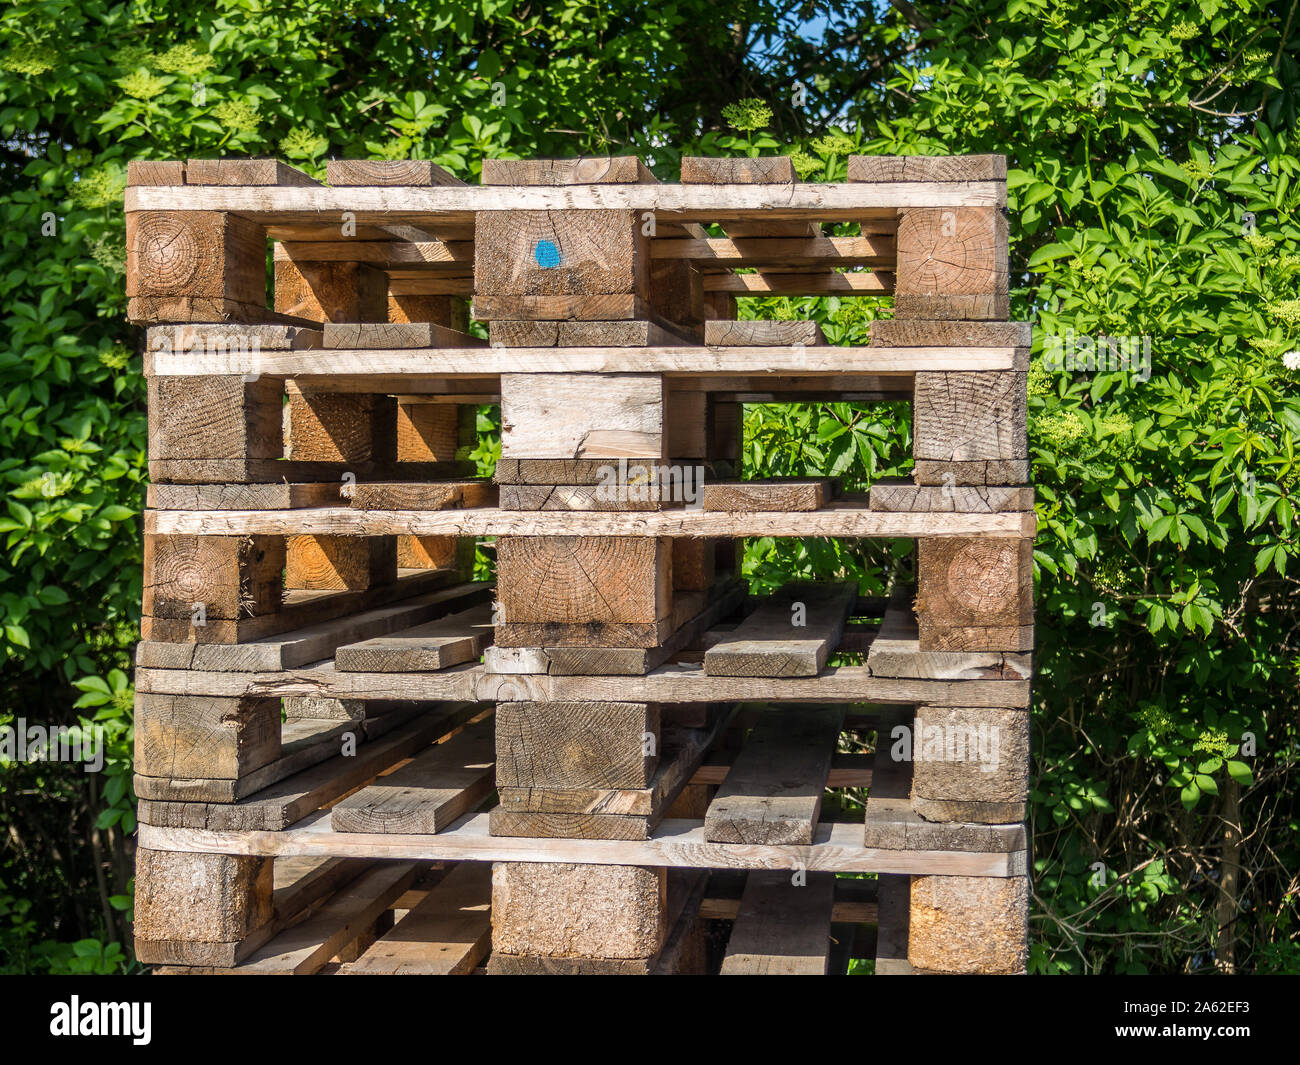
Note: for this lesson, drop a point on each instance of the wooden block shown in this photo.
(195, 907)
(331, 291)
(427, 432)
(510, 334)
(970, 765)
(909, 333)
(244, 172)
(782, 928)
(790, 635)
(903, 497)
(763, 334)
(559, 253)
(677, 292)
(710, 170)
(437, 553)
(191, 736)
(593, 170)
(535, 497)
(155, 172)
(719, 306)
(895, 651)
(973, 584)
(969, 924)
(209, 578)
(963, 417)
(448, 933)
(563, 825)
(576, 745)
(579, 580)
(391, 335)
(339, 563)
(187, 266)
(451, 311)
(891, 927)
(726, 431)
(774, 495)
(979, 472)
(427, 495)
(618, 334)
(387, 172)
(952, 263)
(594, 635)
(433, 645)
(584, 308)
(694, 564)
(341, 427)
(773, 793)
(428, 793)
(215, 418)
(572, 416)
(569, 911)
(893, 168)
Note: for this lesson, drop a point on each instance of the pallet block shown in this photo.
(970, 765)
(969, 924)
(975, 594)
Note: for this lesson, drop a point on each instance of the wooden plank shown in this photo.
(245, 172)
(896, 652)
(395, 335)
(757, 334)
(450, 254)
(854, 900)
(329, 367)
(903, 496)
(891, 939)
(927, 168)
(782, 929)
(561, 416)
(281, 804)
(590, 170)
(155, 172)
(436, 787)
(447, 641)
(789, 635)
(836, 847)
(422, 495)
(792, 494)
(305, 947)
(738, 253)
(774, 791)
(344, 172)
(271, 471)
(447, 934)
(241, 496)
(822, 201)
(904, 333)
(978, 472)
(802, 284)
(846, 517)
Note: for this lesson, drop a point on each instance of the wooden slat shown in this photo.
(801, 284)
(429, 253)
(794, 494)
(846, 517)
(895, 652)
(773, 793)
(390, 335)
(675, 843)
(782, 929)
(900, 496)
(779, 251)
(790, 635)
(427, 495)
(447, 933)
(755, 334)
(400, 172)
(430, 792)
(241, 496)
(437, 644)
(847, 771)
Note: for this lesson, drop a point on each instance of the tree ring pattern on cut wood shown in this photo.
(949, 252)
(167, 253)
(979, 576)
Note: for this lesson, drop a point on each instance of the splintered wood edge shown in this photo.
(674, 844)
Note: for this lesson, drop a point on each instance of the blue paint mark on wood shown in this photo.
(546, 254)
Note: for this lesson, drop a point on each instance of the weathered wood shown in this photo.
(892, 931)
(774, 791)
(275, 806)
(718, 170)
(802, 284)
(793, 494)
(559, 253)
(198, 579)
(737, 253)
(962, 417)
(791, 635)
(896, 652)
(433, 645)
(241, 496)
(215, 418)
(428, 495)
(333, 427)
(576, 744)
(155, 172)
(905, 497)
(952, 264)
(588, 308)
(194, 266)
(975, 594)
(271, 471)
(967, 924)
(442, 254)
(927, 168)
(905, 333)
(761, 334)
(970, 765)
(195, 736)
(593, 170)
(331, 291)
(584, 580)
(782, 928)
(561, 416)
(245, 172)
(428, 793)
(447, 934)
(344, 172)
(339, 563)
(360, 335)
(571, 497)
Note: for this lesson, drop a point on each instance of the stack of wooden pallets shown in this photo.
(352, 757)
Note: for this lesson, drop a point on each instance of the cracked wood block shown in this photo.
(217, 417)
(963, 417)
(218, 577)
(204, 737)
(975, 594)
(952, 263)
(576, 744)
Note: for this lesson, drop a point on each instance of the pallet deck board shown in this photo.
(774, 641)
(782, 928)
